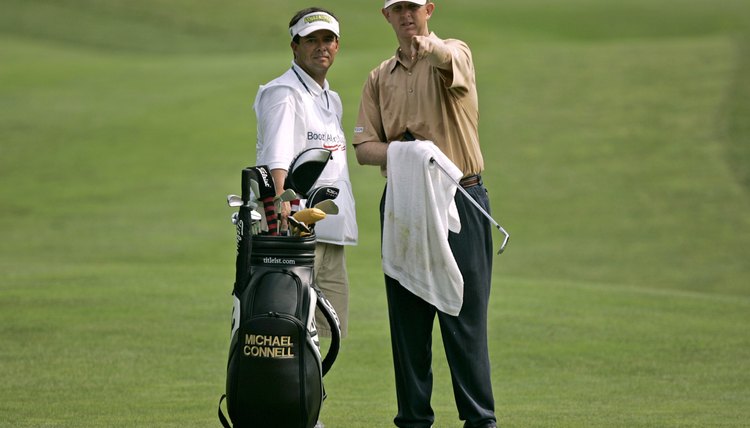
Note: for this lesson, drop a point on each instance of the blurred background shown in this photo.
(617, 148)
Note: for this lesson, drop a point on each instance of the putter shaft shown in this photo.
(476, 204)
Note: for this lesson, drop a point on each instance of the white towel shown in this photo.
(419, 212)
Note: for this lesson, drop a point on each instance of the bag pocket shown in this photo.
(273, 375)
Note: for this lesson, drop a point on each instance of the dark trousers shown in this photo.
(464, 337)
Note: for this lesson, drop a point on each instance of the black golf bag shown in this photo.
(275, 369)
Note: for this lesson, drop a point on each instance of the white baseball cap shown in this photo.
(313, 22)
(390, 2)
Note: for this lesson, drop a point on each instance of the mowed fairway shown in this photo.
(616, 140)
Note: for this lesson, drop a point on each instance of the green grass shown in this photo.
(616, 143)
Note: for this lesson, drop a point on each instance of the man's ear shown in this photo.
(430, 7)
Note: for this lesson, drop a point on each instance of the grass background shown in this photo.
(617, 144)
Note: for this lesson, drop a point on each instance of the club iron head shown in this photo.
(327, 206)
(254, 217)
(506, 235)
(234, 200)
(297, 227)
(288, 195)
(260, 181)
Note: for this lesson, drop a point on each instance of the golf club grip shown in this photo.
(271, 216)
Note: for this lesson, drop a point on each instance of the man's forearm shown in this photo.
(279, 178)
(372, 153)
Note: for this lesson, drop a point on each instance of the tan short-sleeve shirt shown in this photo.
(432, 104)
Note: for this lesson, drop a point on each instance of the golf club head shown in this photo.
(297, 226)
(287, 196)
(259, 178)
(254, 191)
(250, 188)
(247, 175)
(255, 216)
(234, 201)
(505, 239)
(305, 170)
(328, 206)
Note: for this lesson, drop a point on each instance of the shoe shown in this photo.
(319, 424)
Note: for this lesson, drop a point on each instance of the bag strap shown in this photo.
(223, 418)
(330, 315)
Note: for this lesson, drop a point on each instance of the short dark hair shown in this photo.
(297, 16)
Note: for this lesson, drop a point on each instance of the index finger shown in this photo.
(415, 46)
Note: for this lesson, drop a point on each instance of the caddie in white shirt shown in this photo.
(297, 111)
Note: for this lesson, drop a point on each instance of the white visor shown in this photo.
(390, 2)
(313, 22)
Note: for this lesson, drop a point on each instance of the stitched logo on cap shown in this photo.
(313, 18)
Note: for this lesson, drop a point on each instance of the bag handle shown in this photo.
(330, 315)
(223, 418)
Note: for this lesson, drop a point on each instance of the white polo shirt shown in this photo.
(294, 113)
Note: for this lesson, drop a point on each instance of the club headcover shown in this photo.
(320, 194)
(260, 176)
(305, 170)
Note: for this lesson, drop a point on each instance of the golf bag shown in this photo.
(275, 368)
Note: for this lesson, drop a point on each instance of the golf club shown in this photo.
(305, 170)
(250, 190)
(254, 216)
(321, 193)
(298, 228)
(234, 201)
(261, 177)
(287, 196)
(309, 216)
(476, 204)
(255, 222)
(327, 206)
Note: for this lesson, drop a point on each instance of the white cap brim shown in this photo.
(390, 2)
(315, 21)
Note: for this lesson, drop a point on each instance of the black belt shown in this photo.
(470, 181)
(465, 182)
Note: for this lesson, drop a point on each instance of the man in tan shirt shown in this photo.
(427, 91)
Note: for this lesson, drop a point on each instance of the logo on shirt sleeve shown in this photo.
(359, 129)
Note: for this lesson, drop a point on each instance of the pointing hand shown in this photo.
(431, 48)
